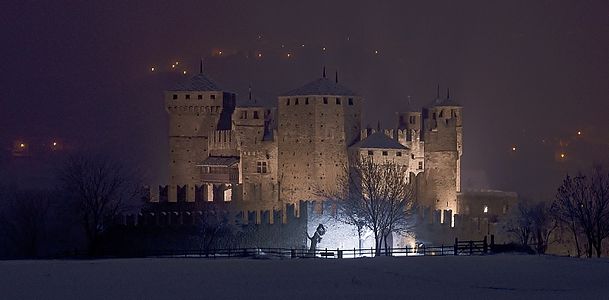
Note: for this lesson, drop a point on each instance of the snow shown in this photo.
(450, 277)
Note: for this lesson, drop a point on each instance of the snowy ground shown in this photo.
(484, 277)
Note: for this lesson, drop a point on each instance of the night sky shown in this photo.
(530, 74)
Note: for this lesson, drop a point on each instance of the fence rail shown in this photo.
(458, 248)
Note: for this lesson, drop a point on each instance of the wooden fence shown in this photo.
(458, 248)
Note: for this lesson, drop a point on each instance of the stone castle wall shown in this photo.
(313, 135)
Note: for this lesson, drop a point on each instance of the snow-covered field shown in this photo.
(483, 277)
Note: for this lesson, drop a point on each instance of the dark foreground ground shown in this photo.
(449, 277)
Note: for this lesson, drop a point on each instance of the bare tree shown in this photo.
(98, 188)
(542, 226)
(582, 203)
(377, 196)
(564, 208)
(520, 224)
(532, 224)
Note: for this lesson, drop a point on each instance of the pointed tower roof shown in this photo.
(379, 140)
(199, 82)
(444, 101)
(321, 86)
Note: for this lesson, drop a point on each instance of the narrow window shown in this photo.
(296, 101)
(256, 115)
(325, 100)
(384, 153)
(398, 153)
(287, 102)
(212, 97)
(337, 100)
(350, 101)
(200, 97)
(420, 165)
(370, 152)
(175, 96)
(261, 167)
(187, 96)
(306, 101)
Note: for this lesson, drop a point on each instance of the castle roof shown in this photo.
(199, 82)
(445, 102)
(219, 161)
(379, 140)
(321, 86)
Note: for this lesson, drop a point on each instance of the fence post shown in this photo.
(371, 253)
(456, 250)
(442, 250)
(424, 250)
(471, 247)
(485, 244)
(339, 253)
(292, 253)
(492, 242)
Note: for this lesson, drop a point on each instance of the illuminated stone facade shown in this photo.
(267, 157)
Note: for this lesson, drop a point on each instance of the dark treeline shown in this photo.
(580, 209)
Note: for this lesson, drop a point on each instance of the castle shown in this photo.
(264, 158)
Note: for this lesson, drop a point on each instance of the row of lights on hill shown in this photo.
(24, 145)
(173, 66)
(258, 55)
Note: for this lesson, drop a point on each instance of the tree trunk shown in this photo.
(574, 231)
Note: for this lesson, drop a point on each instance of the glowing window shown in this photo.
(485, 209)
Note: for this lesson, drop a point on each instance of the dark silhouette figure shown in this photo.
(316, 238)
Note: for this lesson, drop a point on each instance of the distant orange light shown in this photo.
(184, 72)
(54, 143)
(22, 145)
(579, 133)
(289, 54)
(151, 69)
(376, 52)
(177, 63)
(259, 55)
(219, 52)
(562, 155)
(513, 148)
(173, 66)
